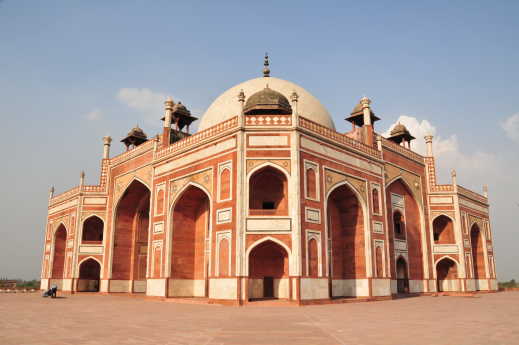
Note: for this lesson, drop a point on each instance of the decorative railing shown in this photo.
(472, 195)
(268, 120)
(402, 150)
(198, 137)
(92, 188)
(338, 137)
(148, 145)
(442, 188)
(64, 196)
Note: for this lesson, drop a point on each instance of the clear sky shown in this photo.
(74, 71)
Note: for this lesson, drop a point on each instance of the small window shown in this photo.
(268, 205)
(436, 237)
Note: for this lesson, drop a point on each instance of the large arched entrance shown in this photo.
(89, 275)
(60, 246)
(402, 276)
(404, 218)
(447, 275)
(131, 239)
(478, 255)
(268, 271)
(189, 262)
(346, 235)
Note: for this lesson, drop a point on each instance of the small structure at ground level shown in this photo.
(268, 200)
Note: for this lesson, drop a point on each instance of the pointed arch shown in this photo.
(477, 240)
(403, 198)
(347, 230)
(189, 234)
(130, 235)
(443, 229)
(89, 274)
(447, 273)
(59, 248)
(92, 229)
(260, 241)
(268, 270)
(268, 190)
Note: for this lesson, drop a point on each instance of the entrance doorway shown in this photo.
(268, 271)
(268, 287)
(402, 277)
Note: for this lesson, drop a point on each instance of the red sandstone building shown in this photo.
(265, 200)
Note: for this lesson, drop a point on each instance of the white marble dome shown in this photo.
(227, 106)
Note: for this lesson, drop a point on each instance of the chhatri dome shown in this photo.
(226, 106)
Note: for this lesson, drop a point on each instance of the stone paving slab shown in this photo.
(28, 319)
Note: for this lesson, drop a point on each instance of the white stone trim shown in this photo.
(221, 236)
(224, 215)
(315, 167)
(314, 235)
(312, 215)
(157, 245)
(379, 244)
(227, 165)
(158, 188)
(377, 187)
(378, 227)
(158, 227)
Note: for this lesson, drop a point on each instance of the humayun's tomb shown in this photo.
(268, 200)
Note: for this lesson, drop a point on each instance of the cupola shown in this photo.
(399, 134)
(266, 102)
(134, 138)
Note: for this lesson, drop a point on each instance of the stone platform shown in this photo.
(29, 319)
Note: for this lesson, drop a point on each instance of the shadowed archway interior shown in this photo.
(189, 263)
(60, 246)
(131, 236)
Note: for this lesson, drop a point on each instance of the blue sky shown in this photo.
(74, 71)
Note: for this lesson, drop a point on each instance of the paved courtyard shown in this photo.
(91, 319)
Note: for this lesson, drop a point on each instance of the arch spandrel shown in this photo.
(143, 175)
(87, 214)
(332, 179)
(448, 214)
(202, 178)
(284, 164)
(476, 220)
(411, 180)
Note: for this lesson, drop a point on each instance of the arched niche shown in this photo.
(443, 230)
(268, 192)
(92, 230)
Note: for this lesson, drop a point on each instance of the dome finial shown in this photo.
(266, 69)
